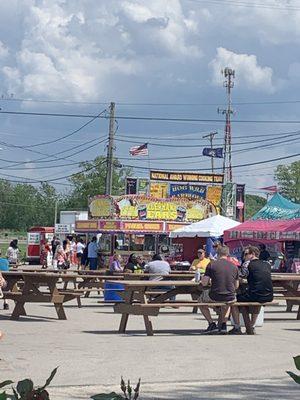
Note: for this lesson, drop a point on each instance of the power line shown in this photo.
(248, 5)
(132, 117)
(152, 104)
(46, 160)
(234, 166)
(69, 134)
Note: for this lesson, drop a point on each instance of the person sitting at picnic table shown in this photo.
(133, 264)
(158, 267)
(201, 262)
(264, 254)
(214, 254)
(115, 265)
(13, 252)
(4, 266)
(223, 277)
(260, 287)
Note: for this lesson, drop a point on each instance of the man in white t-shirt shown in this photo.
(157, 266)
(80, 246)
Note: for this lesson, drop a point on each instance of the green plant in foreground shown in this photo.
(295, 376)
(129, 392)
(26, 391)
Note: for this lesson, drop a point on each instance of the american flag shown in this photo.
(141, 150)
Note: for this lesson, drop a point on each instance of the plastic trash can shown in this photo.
(110, 294)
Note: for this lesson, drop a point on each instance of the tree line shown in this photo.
(25, 205)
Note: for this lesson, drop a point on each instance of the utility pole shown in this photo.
(229, 190)
(211, 137)
(110, 150)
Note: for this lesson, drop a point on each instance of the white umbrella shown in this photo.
(209, 227)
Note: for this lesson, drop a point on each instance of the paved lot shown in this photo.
(176, 363)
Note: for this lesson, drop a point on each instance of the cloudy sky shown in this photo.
(154, 58)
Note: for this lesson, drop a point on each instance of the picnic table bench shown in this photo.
(136, 301)
(36, 287)
(290, 285)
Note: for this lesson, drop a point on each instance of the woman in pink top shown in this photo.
(60, 256)
(115, 265)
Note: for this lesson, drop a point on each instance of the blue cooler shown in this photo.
(110, 295)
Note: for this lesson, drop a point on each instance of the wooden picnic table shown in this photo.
(35, 287)
(138, 302)
(135, 291)
(290, 283)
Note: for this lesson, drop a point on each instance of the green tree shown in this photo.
(23, 205)
(91, 181)
(288, 178)
(253, 204)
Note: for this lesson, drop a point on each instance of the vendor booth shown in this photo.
(204, 232)
(280, 236)
(36, 236)
(278, 207)
(140, 224)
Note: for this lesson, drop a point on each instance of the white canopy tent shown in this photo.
(209, 227)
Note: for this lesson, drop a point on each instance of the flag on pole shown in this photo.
(270, 188)
(218, 152)
(141, 150)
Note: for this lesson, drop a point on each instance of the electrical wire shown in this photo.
(136, 118)
(69, 134)
(247, 4)
(149, 104)
(221, 168)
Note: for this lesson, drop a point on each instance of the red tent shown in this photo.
(265, 231)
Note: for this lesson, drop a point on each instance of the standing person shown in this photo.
(2, 284)
(61, 257)
(13, 252)
(79, 252)
(45, 249)
(260, 287)
(223, 276)
(115, 265)
(93, 254)
(158, 267)
(54, 242)
(73, 252)
(84, 257)
(4, 266)
(67, 250)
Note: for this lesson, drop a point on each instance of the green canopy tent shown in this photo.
(278, 208)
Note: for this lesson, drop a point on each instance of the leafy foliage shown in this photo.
(253, 204)
(128, 391)
(25, 390)
(295, 376)
(288, 178)
(23, 205)
(91, 182)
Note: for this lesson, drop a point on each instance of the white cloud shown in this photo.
(78, 51)
(248, 72)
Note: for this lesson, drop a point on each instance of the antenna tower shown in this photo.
(228, 201)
